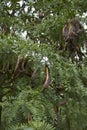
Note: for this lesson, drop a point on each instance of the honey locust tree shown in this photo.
(30, 37)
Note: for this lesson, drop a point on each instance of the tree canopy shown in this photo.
(40, 88)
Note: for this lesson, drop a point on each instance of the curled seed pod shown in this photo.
(47, 79)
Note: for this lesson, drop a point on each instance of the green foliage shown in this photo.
(32, 29)
(34, 126)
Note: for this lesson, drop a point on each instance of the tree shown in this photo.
(30, 37)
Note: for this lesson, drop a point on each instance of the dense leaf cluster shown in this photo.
(32, 29)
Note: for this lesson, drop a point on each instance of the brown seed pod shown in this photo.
(20, 66)
(33, 77)
(72, 30)
(47, 79)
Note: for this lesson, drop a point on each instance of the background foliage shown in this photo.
(33, 29)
